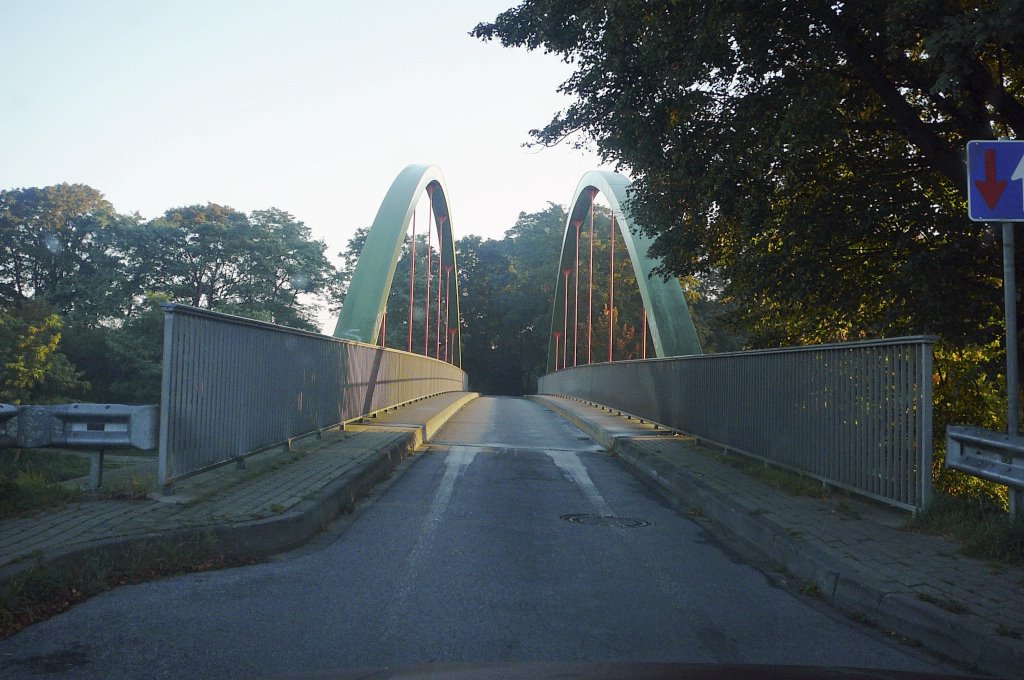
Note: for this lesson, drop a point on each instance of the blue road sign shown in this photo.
(995, 181)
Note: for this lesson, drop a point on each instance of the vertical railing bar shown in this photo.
(844, 424)
(891, 425)
(807, 419)
(853, 430)
(775, 378)
(925, 427)
(842, 427)
(834, 451)
(184, 399)
(864, 380)
(832, 415)
(166, 378)
(197, 370)
(828, 461)
(213, 360)
(244, 386)
(234, 392)
(906, 410)
(223, 399)
(838, 439)
(206, 405)
(793, 413)
(887, 423)
(191, 395)
(873, 461)
(914, 387)
(818, 375)
(895, 426)
(856, 416)
(812, 373)
(884, 421)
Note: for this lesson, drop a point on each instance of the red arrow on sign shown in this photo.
(991, 188)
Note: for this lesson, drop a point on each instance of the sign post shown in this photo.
(995, 193)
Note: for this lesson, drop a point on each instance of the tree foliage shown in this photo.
(32, 368)
(79, 285)
(807, 152)
(57, 245)
(803, 159)
(216, 257)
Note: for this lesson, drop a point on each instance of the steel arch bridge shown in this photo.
(367, 296)
(668, 316)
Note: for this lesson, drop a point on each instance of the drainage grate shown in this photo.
(607, 521)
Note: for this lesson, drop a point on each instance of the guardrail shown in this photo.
(855, 415)
(94, 427)
(234, 386)
(995, 456)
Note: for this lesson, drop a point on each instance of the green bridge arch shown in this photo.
(367, 296)
(668, 316)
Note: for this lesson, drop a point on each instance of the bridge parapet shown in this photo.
(855, 415)
(234, 386)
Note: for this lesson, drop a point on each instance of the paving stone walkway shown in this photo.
(273, 484)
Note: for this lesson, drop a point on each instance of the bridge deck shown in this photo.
(855, 553)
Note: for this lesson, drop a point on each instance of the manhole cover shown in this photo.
(607, 521)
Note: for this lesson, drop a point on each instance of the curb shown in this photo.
(837, 583)
(272, 535)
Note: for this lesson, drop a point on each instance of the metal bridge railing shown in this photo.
(854, 415)
(233, 386)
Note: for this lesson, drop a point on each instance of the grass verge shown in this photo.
(977, 522)
(981, 528)
(34, 479)
(43, 591)
(784, 480)
(30, 480)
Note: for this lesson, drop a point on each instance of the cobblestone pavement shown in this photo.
(856, 553)
(274, 484)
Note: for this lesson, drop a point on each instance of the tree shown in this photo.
(265, 266)
(200, 254)
(33, 370)
(806, 152)
(123, 363)
(808, 155)
(491, 316)
(285, 269)
(57, 244)
(508, 289)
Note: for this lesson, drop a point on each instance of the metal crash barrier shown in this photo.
(855, 415)
(234, 386)
(995, 456)
(7, 423)
(94, 427)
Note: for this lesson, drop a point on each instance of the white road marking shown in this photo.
(571, 465)
(455, 461)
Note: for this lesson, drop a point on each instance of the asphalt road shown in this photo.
(468, 556)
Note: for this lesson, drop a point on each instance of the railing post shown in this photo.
(163, 471)
(925, 426)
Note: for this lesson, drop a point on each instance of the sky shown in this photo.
(310, 106)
